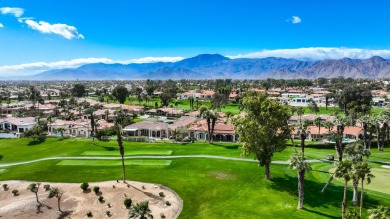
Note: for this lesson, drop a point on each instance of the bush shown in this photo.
(15, 192)
(168, 203)
(96, 189)
(127, 202)
(162, 215)
(161, 194)
(100, 199)
(84, 186)
(108, 205)
(89, 214)
(108, 213)
(5, 186)
(46, 187)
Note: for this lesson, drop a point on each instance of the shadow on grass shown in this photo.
(230, 147)
(382, 158)
(314, 198)
(64, 214)
(1, 157)
(109, 148)
(36, 142)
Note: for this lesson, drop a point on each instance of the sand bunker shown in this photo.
(75, 203)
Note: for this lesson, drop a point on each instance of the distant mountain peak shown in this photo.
(377, 58)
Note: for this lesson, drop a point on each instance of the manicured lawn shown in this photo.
(128, 152)
(210, 188)
(379, 183)
(114, 162)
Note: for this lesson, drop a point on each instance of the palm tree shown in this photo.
(381, 212)
(303, 132)
(211, 118)
(317, 122)
(141, 210)
(90, 111)
(340, 122)
(343, 170)
(298, 162)
(300, 112)
(355, 153)
(328, 125)
(56, 192)
(365, 121)
(61, 130)
(363, 172)
(118, 128)
(34, 187)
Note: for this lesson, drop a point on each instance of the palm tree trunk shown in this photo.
(303, 137)
(36, 196)
(327, 183)
(267, 171)
(355, 192)
(122, 152)
(361, 199)
(343, 205)
(301, 181)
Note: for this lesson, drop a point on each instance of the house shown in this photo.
(157, 129)
(78, 128)
(223, 131)
(17, 125)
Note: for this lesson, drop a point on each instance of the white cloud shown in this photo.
(1, 25)
(17, 12)
(318, 53)
(296, 20)
(37, 67)
(68, 32)
(22, 19)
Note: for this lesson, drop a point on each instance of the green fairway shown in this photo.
(114, 162)
(210, 188)
(379, 183)
(127, 153)
(2, 171)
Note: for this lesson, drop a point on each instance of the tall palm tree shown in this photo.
(90, 112)
(355, 153)
(298, 162)
(328, 125)
(340, 123)
(365, 122)
(343, 171)
(61, 130)
(317, 122)
(141, 210)
(362, 171)
(118, 128)
(211, 118)
(300, 112)
(303, 132)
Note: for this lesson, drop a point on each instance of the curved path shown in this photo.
(144, 157)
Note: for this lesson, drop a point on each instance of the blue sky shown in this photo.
(68, 33)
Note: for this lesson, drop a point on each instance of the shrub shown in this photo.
(96, 189)
(127, 202)
(162, 215)
(108, 205)
(108, 213)
(46, 187)
(84, 186)
(5, 186)
(143, 187)
(89, 214)
(15, 192)
(161, 194)
(168, 203)
(100, 199)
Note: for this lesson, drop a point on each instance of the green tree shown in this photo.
(313, 106)
(318, 122)
(120, 93)
(303, 131)
(298, 162)
(78, 90)
(218, 100)
(355, 96)
(57, 193)
(343, 170)
(61, 130)
(363, 172)
(264, 129)
(211, 118)
(34, 187)
(140, 210)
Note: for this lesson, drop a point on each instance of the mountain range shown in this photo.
(211, 66)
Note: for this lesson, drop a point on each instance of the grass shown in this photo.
(114, 162)
(379, 183)
(2, 171)
(128, 153)
(210, 188)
